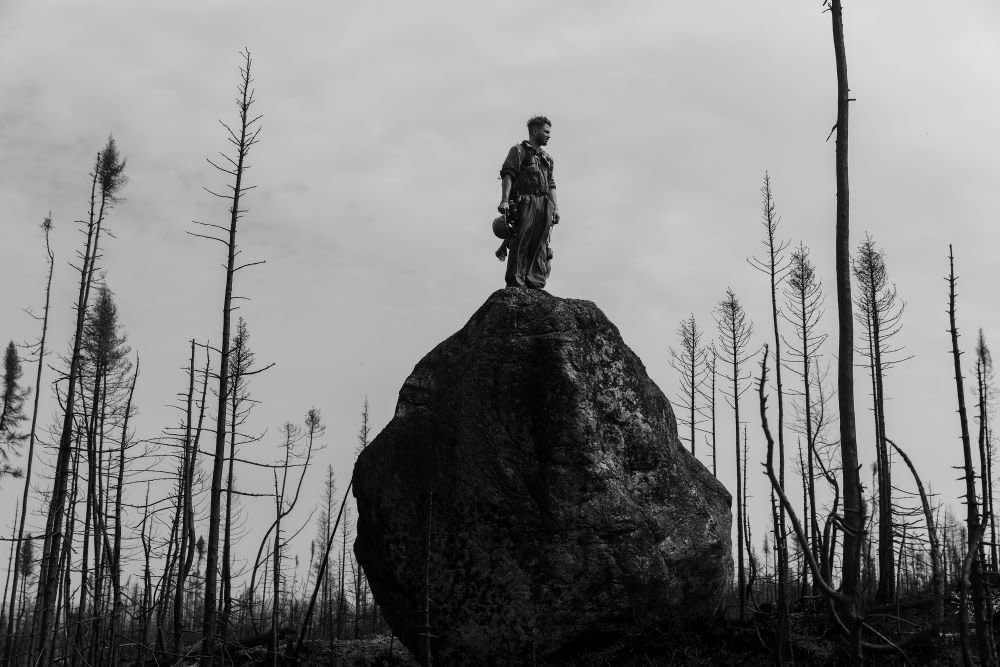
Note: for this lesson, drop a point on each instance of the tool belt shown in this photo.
(521, 194)
(514, 213)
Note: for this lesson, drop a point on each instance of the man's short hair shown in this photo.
(538, 121)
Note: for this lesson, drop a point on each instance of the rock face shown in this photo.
(563, 511)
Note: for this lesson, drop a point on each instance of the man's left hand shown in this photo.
(555, 217)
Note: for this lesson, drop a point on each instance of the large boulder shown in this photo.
(531, 497)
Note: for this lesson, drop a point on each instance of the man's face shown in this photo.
(540, 134)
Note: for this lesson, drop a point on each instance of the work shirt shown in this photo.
(529, 168)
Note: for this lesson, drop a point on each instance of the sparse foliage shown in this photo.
(880, 313)
(735, 331)
(690, 363)
(11, 407)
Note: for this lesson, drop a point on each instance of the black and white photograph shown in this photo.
(459, 333)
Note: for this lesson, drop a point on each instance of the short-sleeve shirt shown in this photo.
(530, 169)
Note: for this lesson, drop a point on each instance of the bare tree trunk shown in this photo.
(165, 589)
(964, 586)
(735, 331)
(806, 524)
(8, 644)
(325, 566)
(102, 550)
(65, 563)
(101, 194)
(983, 367)
(48, 578)
(276, 558)
(990, 508)
(185, 554)
(322, 573)
(7, 590)
(854, 511)
(342, 599)
(984, 468)
(91, 520)
(116, 581)
(740, 491)
(100, 533)
(834, 595)
(974, 530)
(747, 534)
(243, 141)
(227, 584)
(692, 379)
(147, 579)
(87, 523)
(774, 268)
(876, 305)
(938, 581)
(688, 361)
(811, 453)
(712, 412)
(887, 577)
(989, 496)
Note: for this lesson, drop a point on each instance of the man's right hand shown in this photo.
(504, 207)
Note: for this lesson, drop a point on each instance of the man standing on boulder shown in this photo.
(528, 199)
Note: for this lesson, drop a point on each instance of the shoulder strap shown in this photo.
(525, 156)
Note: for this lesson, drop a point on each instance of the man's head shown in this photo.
(539, 129)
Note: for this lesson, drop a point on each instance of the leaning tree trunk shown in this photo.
(49, 571)
(8, 644)
(937, 580)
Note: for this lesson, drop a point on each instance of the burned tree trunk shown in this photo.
(242, 140)
(854, 510)
(107, 179)
(734, 332)
(8, 644)
(974, 530)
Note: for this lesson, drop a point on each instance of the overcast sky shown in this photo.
(385, 124)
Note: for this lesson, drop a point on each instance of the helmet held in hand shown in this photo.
(501, 228)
